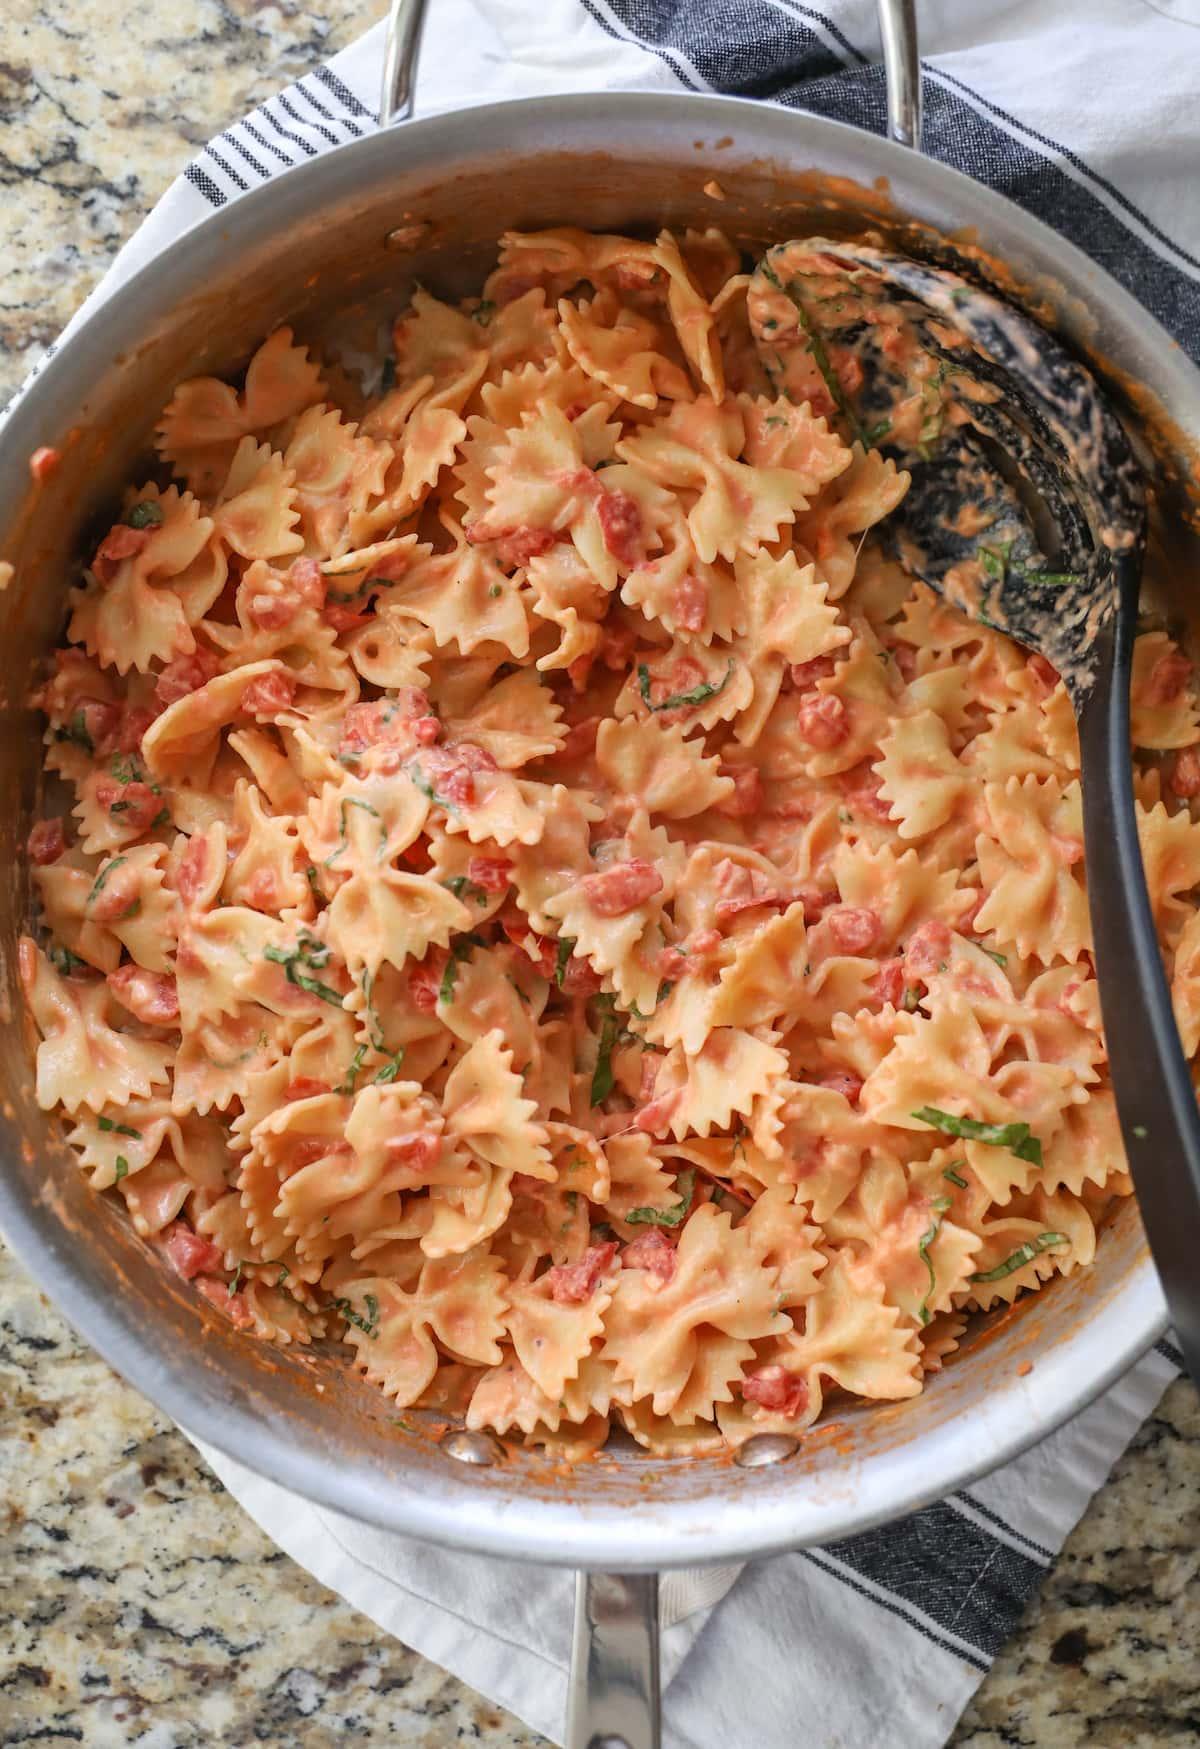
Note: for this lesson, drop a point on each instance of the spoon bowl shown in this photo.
(1026, 509)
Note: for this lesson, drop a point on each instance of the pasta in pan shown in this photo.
(547, 901)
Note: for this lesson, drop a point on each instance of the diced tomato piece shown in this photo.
(1184, 780)
(747, 797)
(127, 738)
(417, 1151)
(269, 694)
(847, 367)
(815, 902)
(1167, 679)
(776, 1389)
(492, 873)
(514, 546)
(854, 928)
(652, 1251)
(150, 997)
(804, 675)
(1044, 672)
(823, 722)
(308, 580)
(861, 788)
(424, 982)
(192, 873)
(617, 644)
(121, 542)
(46, 842)
(580, 741)
(186, 674)
(741, 889)
(44, 462)
(572, 1283)
(670, 962)
(304, 1087)
(387, 721)
(703, 942)
(99, 720)
(655, 1117)
(621, 888)
(191, 1254)
(843, 1082)
(621, 526)
(889, 982)
(689, 603)
(928, 949)
(131, 805)
(233, 1305)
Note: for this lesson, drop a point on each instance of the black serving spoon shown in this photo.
(1027, 511)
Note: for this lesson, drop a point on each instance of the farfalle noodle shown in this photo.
(545, 899)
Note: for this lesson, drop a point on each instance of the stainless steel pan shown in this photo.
(322, 247)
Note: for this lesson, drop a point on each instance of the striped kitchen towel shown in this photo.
(884, 1635)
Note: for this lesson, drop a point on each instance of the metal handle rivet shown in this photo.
(472, 1448)
(766, 1448)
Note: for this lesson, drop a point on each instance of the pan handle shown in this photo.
(897, 24)
(613, 1701)
(902, 65)
(403, 40)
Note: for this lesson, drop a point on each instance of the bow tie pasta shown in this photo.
(548, 904)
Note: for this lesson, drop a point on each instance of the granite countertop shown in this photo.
(141, 1605)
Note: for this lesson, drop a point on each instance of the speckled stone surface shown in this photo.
(138, 1604)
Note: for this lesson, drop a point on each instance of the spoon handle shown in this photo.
(1156, 1102)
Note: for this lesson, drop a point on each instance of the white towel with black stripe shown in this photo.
(887, 1634)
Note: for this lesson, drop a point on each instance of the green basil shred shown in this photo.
(1021, 1256)
(685, 1184)
(938, 1209)
(118, 1129)
(698, 694)
(146, 513)
(368, 1325)
(1014, 1136)
(566, 947)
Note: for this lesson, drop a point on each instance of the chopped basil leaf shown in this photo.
(146, 513)
(820, 357)
(462, 888)
(1001, 959)
(62, 959)
(117, 807)
(390, 1069)
(1140, 1131)
(483, 312)
(685, 1184)
(76, 732)
(98, 883)
(1021, 1256)
(911, 1000)
(938, 1209)
(458, 953)
(953, 1177)
(310, 875)
(118, 1129)
(308, 953)
(343, 841)
(125, 770)
(162, 818)
(122, 1168)
(773, 419)
(1014, 1136)
(356, 1063)
(872, 436)
(284, 1272)
(698, 694)
(566, 947)
(236, 1282)
(368, 1325)
(495, 591)
(603, 1079)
